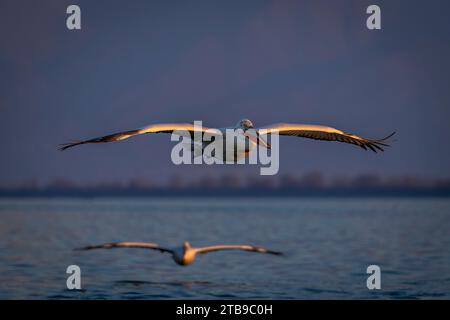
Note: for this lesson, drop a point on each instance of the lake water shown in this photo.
(328, 244)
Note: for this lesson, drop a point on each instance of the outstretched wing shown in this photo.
(141, 245)
(236, 247)
(156, 128)
(325, 133)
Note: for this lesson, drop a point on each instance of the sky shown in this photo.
(135, 63)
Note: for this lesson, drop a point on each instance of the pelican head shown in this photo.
(245, 124)
(186, 246)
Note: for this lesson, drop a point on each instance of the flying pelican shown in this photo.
(247, 139)
(184, 255)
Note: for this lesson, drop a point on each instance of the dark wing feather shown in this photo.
(237, 247)
(326, 134)
(180, 128)
(141, 245)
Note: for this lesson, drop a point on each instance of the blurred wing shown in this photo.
(141, 245)
(324, 133)
(156, 128)
(236, 247)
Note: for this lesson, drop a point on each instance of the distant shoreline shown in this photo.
(232, 192)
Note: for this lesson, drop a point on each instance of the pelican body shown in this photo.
(236, 142)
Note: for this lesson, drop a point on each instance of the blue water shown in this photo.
(328, 244)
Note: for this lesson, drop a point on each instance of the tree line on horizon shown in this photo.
(309, 183)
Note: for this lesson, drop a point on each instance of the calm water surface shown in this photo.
(328, 244)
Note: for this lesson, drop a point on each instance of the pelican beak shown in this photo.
(258, 139)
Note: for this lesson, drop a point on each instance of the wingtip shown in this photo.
(276, 253)
(64, 146)
(378, 144)
(389, 136)
(85, 248)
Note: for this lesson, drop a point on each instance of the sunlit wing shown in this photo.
(324, 133)
(236, 247)
(179, 128)
(141, 245)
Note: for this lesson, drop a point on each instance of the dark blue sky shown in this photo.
(140, 62)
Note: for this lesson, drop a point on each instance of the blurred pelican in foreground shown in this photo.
(247, 138)
(184, 255)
